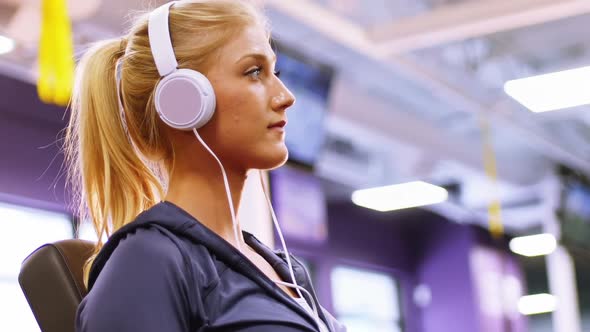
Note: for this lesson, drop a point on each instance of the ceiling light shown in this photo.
(6, 45)
(537, 304)
(533, 245)
(552, 91)
(400, 196)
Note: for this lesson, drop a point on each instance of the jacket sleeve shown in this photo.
(142, 287)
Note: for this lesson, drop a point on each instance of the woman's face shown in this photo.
(248, 128)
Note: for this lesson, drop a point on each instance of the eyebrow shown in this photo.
(258, 56)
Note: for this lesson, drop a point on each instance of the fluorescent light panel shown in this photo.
(6, 45)
(552, 91)
(537, 304)
(400, 196)
(533, 245)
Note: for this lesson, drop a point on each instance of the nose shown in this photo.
(283, 99)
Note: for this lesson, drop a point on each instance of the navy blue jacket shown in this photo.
(168, 272)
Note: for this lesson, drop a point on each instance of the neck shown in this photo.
(197, 187)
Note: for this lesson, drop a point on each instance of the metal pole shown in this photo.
(560, 268)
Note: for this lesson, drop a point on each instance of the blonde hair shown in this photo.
(118, 159)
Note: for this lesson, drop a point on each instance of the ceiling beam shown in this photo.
(458, 22)
(324, 21)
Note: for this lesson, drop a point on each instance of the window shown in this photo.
(22, 230)
(366, 300)
(86, 232)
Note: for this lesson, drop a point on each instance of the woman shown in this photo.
(160, 155)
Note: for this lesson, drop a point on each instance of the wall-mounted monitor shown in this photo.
(310, 82)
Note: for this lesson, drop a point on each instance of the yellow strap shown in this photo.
(494, 209)
(56, 54)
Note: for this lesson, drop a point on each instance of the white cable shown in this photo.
(278, 227)
(227, 190)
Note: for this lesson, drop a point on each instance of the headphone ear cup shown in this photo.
(185, 99)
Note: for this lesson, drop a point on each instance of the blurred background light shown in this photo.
(537, 304)
(399, 196)
(533, 245)
(553, 91)
(6, 45)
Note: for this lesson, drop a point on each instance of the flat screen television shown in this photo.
(310, 82)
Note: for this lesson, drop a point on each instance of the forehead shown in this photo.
(253, 39)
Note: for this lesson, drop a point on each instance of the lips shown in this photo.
(280, 124)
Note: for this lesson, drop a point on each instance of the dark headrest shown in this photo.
(51, 279)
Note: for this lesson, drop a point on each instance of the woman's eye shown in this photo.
(255, 72)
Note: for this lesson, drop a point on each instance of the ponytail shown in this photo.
(109, 177)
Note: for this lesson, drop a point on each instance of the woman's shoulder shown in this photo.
(148, 243)
(142, 251)
(146, 273)
(154, 245)
(156, 237)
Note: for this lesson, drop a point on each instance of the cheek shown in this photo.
(228, 107)
(233, 125)
(239, 109)
(232, 115)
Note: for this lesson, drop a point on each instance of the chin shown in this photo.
(273, 159)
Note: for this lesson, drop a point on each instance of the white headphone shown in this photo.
(184, 98)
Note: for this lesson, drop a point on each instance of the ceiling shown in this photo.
(416, 79)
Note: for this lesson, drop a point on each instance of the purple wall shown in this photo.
(444, 268)
(30, 159)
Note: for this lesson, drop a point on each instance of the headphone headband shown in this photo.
(160, 42)
(183, 98)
